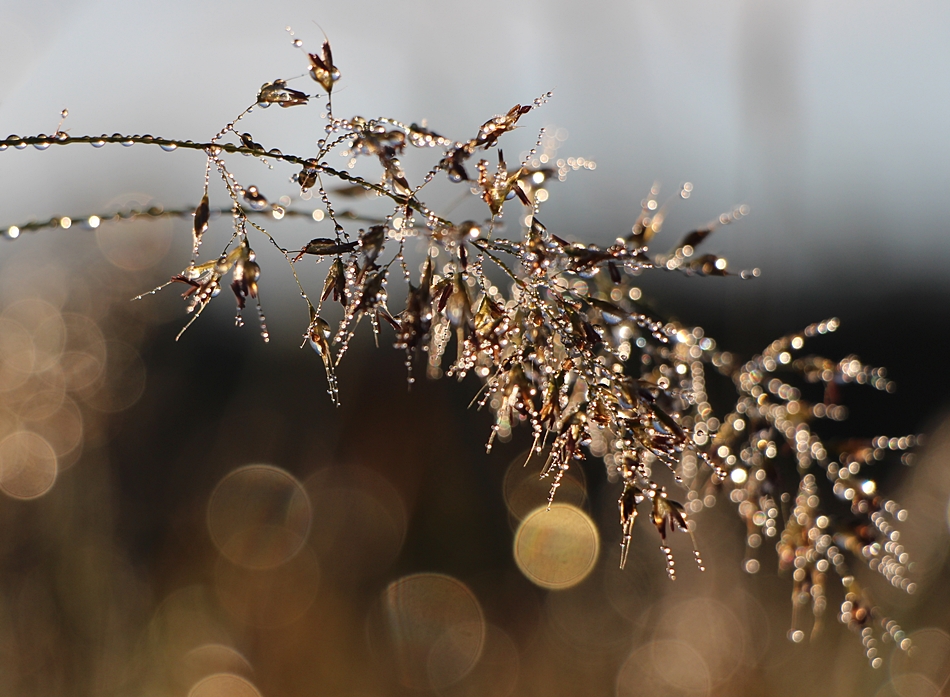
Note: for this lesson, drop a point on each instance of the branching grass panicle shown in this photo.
(558, 333)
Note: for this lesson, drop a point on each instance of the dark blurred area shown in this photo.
(196, 519)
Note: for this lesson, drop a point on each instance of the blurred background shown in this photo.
(197, 519)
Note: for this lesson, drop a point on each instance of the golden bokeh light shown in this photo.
(259, 516)
(497, 670)
(16, 354)
(122, 382)
(430, 628)
(663, 669)
(929, 660)
(27, 465)
(63, 430)
(210, 659)
(582, 618)
(910, 685)
(186, 619)
(710, 629)
(269, 597)
(45, 326)
(134, 245)
(524, 488)
(557, 548)
(84, 355)
(224, 685)
(359, 520)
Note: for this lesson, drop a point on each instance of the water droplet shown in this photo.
(42, 145)
(298, 43)
(796, 635)
(126, 143)
(168, 147)
(3, 147)
(97, 143)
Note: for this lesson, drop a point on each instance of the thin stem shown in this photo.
(63, 139)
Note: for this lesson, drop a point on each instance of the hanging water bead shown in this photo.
(255, 200)
(322, 69)
(556, 350)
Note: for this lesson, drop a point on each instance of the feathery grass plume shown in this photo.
(565, 344)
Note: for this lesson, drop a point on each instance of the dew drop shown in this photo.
(796, 635)
(97, 143)
(298, 43)
(3, 146)
(169, 147)
(42, 145)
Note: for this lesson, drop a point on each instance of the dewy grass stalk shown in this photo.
(561, 338)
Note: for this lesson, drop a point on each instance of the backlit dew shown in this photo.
(525, 489)
(259, 516)
(563, 344)
(556, 548)
(28, 466)
(224, 685)
(796, 635)
(255, 200)
(429, 630)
